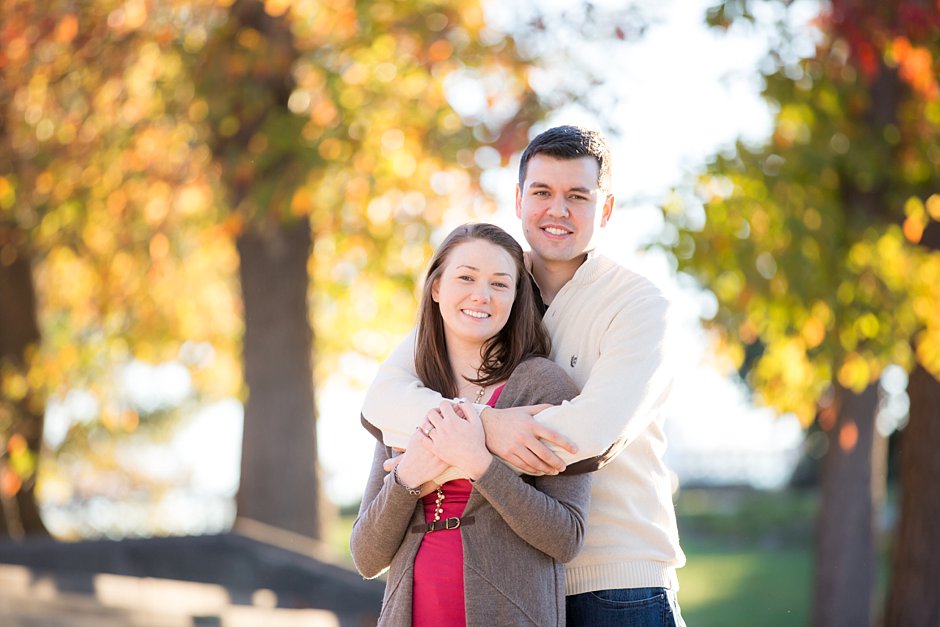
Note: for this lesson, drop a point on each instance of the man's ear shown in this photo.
(518, 201)
(607, 210)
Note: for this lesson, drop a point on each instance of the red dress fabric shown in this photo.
(438, 597)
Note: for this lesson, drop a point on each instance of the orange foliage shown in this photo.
(848, 437)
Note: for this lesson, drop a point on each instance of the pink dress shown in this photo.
(438, 597)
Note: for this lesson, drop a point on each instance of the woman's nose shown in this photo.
(481, 293)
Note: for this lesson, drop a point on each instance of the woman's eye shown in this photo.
(501, 285)
(465, 277)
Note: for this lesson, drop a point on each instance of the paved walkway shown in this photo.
(257, 577)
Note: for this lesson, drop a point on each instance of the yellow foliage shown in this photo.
(7, 193)
(933, 206)
(928, 350)
(786, 378)
(813, 332)
(856, 373)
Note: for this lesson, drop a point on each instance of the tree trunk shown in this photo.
(19, 333)
(914, 597)
(279, 448)
(852, 488)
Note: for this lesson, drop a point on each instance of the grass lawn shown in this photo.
(749, 557)
(727, 587)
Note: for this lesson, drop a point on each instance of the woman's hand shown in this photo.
(457, 438)
(419, 463)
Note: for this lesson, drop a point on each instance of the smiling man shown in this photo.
(608, 327)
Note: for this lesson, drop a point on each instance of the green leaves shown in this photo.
(808, 240)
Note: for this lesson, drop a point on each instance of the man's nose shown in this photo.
(558, 206)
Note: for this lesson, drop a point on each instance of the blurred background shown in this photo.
(213, 218)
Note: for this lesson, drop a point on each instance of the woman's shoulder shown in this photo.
(536, 366)
(538, 380)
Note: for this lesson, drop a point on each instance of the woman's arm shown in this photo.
(551, 512)
(551, 515)
(384, 516)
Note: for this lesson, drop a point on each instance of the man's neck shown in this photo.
(551, 276)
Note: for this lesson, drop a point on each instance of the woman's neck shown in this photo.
(465, 360)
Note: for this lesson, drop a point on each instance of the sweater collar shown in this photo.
(593, 267)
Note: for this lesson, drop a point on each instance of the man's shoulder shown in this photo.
(613, 282)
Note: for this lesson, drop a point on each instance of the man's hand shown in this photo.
(513, 435)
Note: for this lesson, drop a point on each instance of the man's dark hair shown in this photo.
(570, 142)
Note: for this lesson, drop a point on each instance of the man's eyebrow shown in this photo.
(540, 185)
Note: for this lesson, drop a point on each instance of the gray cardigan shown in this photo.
(524, 528)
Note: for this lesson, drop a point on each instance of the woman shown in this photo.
(488, 550)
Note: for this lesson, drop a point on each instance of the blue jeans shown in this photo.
(624, 607)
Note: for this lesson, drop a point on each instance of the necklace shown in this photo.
(479, 397)
(438, 510)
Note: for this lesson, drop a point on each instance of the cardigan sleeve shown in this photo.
(397, 401)
(551, 513)
(384, 515)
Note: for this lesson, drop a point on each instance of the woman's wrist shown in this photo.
(414, 490)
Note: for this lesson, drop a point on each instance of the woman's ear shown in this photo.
(436, 290)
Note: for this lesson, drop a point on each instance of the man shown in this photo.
(608, 328)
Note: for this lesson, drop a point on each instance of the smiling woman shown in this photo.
(478, 316)
(474, 294)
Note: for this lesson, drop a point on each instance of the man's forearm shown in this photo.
(397, 402)
(623, 393)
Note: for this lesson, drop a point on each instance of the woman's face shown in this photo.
(475, 291)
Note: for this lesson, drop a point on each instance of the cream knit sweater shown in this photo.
(608, 329)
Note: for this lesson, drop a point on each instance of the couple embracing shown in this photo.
(538, 495)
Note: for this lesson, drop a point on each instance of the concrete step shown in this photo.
(34, 599)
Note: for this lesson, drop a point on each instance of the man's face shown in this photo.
(560, 206)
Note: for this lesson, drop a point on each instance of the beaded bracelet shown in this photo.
(411, 491)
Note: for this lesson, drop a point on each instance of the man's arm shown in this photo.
(397, 402)
(625, 387)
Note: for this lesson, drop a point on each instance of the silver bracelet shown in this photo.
(411, 491)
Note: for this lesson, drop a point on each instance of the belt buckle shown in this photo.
(447, 524)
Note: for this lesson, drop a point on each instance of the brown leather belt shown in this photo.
(448, 523)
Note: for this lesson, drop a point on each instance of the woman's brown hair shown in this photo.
(522, 337)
